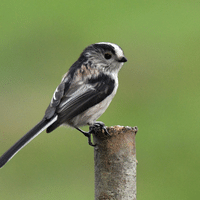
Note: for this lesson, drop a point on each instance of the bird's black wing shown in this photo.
(61, 90)
(82, 96)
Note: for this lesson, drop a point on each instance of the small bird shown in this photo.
(83, 95)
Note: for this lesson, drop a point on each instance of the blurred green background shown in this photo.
(159, 91)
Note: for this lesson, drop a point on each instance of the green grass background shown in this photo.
(159, 91)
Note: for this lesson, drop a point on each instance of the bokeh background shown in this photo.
(159, 92)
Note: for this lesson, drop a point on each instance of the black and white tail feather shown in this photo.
(83, 95)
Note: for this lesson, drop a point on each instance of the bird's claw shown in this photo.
(93, 129)
(98, 127)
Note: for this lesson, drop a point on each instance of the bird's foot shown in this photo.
(88, 135)
(96, 127)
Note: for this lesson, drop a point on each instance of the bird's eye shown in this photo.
(107, 56)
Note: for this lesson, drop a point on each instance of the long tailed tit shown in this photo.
(83, 95)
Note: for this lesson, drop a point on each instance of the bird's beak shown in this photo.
(123, 59)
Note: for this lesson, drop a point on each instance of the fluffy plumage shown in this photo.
(83, 95)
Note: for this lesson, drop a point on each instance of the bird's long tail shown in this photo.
(35, 131)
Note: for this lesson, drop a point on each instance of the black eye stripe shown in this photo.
(105, 47)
